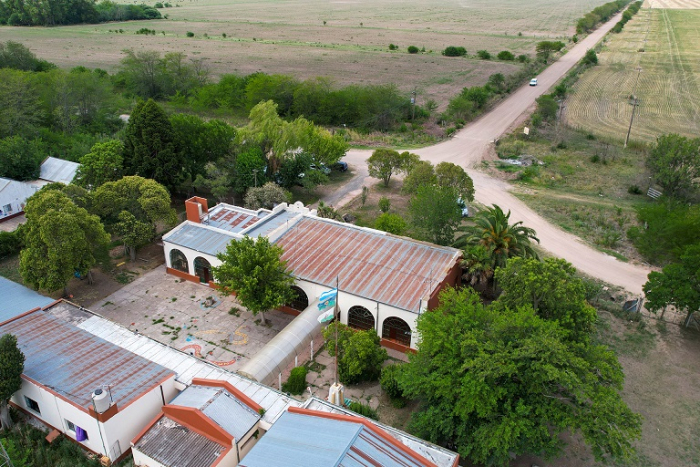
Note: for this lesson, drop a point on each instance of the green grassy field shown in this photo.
(345, 40)
(668, 85)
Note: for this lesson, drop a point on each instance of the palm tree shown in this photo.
(493, 232)
(478, 264)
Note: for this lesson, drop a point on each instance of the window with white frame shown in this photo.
(79, 433)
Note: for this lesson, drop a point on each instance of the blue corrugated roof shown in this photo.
(270, 223)
(298, 440)
(18, 299)
(199, 238)
(222, 407)
(73, 363)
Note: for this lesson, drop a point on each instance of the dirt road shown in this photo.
(470, 145)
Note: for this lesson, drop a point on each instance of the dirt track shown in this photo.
(470, 145)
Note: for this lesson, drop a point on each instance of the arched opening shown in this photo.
(300, 302)
(178, 261)
(396, 329)
(360, 318)
(202, 269)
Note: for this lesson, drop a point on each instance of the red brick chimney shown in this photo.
(195, 207)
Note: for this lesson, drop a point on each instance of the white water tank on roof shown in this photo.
(100, 401)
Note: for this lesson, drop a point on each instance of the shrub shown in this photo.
(523, 58)
(590, 58)
(506, 55)
(360, 356)
(389, 382)
(146, 31)
(190, 34)
(223, 34)
(384, 204)
(10, 243)
(483, 54)
(158, 5)
(393, 47)
(391, 223)
(362, 409)
(412, 49)
(634, 190)
(296, 384)
(453, 51)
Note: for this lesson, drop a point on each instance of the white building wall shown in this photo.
(125, 425)
(56, 411)
(102, 437)
(312, 290)
(142, 460)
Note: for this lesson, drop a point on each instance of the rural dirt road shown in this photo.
(469, 146)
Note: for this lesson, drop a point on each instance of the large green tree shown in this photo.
(674, 162)
(253, 270)
(497, 383)
(677, 285)
(20, 158)
(61, 239)
(360, 355)
(435, 213)
(149, 146)
(104, 163)
(133, 208)
(11, 368)
(383, 163)
(19, 102)
(552, 289)
(493, 231)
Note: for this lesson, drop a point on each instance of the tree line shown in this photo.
(599, 15)
(57, 12)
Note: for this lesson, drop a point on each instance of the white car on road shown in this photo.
(533, 82)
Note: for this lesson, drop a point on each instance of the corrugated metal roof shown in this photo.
(232, 218)
(275, 403)
(435, 454)
(174, 445)
(74, 362)
(58, 170)
(388, 269)
(309, 441)
(18, 299)
(222, 407)
(187, 367)
(199, 238)
(15, 194)
(270, 223)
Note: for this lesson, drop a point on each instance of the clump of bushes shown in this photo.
(393, 47)
(506, 55)
(296, 384)
(146, 31)
(453, 51)
(363, 409)
(390, 385)
(190, 34)
(483, 54)
(412, 49)
(10, 243)
(360, 356)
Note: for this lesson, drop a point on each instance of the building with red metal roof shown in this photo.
(384, 281)
(91, 390)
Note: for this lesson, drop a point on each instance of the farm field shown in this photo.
(667, 88)
(345, 40)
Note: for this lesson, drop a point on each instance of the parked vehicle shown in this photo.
(340, 166)
(533, 82)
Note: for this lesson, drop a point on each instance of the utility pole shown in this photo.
(255, 177)
(635, 104)
(413, 103)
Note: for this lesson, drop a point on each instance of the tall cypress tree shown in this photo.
(149, 146)
(11, 368)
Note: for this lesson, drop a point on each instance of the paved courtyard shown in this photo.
(174, 312)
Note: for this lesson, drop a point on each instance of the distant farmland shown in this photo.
(669, 83)
(345, 40)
